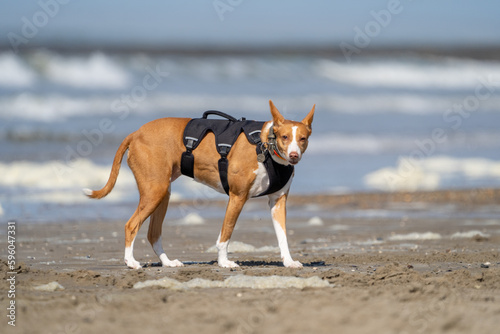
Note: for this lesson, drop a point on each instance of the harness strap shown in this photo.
(187, 164)
(278, 174)
(223, 164)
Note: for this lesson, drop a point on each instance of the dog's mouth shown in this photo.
(293, 161)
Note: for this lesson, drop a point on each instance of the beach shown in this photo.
(393, 211)
(425, 262)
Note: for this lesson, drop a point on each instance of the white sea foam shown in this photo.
(49, 287)
(427, 174)
(95, 71)
(315, 221)
(192, 219)
(51, 107)
(415, 236)
(55, 181)
(14, 72)
(390, 179)
(354, 144)
(48, 107)
(239, 281)
(469, 234)
(56, 107)
(335, 142)
(241, 247)
(449, 73)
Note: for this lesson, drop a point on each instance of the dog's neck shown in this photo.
(271, 146)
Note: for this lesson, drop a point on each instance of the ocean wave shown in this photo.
(440, 73)
(99, 70)
(430, 173)
(58, 107)
(55, 181)
(51, 107)
(94, 71)
(14, 72)
(363, 143)
(339, 143)
(48, 86)
(35, 133)
(54, 107)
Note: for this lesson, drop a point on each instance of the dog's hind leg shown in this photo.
(154, 232)
(233, 210)
(149, 201)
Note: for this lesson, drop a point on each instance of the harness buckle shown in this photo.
(255, 135)
(224, 149)
(190, 142)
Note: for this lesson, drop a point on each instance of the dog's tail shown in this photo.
(115, 169)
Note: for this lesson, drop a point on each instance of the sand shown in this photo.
(404, 263)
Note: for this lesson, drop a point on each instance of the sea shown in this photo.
(383, 122)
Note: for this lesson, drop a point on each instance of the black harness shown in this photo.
(226, 132)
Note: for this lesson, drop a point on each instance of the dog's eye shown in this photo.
(303, 139)
(284, 137)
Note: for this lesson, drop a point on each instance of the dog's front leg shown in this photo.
(233, 210)
(278, 213)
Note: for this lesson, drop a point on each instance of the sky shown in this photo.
(251, 22)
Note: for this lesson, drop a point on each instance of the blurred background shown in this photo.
(406, 92)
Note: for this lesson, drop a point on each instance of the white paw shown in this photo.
(133, 264)
(228, 264)
(292, 264)
(173, 263)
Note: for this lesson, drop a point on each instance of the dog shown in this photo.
(154, 156)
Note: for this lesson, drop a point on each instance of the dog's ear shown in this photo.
(307, 121)
(278, 119)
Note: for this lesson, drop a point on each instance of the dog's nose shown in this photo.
(293, 155)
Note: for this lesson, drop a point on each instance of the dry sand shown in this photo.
(392, 267)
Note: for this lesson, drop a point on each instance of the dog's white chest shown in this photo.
(261, 182)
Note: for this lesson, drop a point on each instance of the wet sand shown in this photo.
(394, 263)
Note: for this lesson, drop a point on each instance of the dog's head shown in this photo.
(291, 137)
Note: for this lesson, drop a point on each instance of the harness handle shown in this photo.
(219, 113)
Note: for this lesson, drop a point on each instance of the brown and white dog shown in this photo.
(154, 156)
